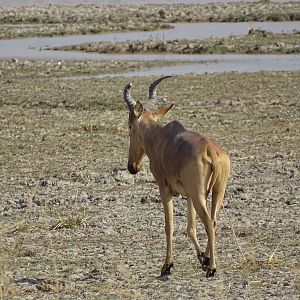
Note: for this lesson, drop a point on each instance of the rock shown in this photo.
(122, 176)
(47, 287)
(144, 200)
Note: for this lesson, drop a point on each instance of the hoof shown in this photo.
(166, 269)
(210, 273)
(204, 261)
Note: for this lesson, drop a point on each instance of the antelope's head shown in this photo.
(139, 117)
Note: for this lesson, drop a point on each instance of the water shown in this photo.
(33, 48)
(199, 64)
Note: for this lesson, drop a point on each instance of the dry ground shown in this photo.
(91, 19)
(75, 225)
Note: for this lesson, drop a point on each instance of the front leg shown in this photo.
(167, 202)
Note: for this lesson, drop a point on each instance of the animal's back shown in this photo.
(182, 146)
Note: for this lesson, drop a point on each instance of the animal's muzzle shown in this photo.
(133, 168)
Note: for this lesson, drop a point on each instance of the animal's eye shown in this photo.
(129, 127)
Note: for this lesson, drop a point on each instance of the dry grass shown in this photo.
(63, 159)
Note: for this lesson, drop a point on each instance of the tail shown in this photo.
(214, 167)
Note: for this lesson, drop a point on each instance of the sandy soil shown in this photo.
(75, 225)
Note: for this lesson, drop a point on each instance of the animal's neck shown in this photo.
(151, 138)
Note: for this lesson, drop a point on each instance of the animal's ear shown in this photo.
(138, 109)
(162, 111)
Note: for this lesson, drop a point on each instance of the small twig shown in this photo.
(58, 225)
(272, 255)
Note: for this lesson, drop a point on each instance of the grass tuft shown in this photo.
(70, 222)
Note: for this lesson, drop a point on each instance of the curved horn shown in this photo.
(127, 97)
(153, 85)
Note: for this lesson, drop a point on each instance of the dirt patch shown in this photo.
(63, 161)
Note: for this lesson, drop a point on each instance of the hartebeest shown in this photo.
(182, 163)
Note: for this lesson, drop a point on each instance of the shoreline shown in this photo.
(256, 42)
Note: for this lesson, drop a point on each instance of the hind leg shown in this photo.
(191, 231)
(196, 187)
(191, 227)
(199, 203)
(218, 192)
(217, 200)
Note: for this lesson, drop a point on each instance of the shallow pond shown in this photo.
(27, 48)
(34, 48)
(200, 64)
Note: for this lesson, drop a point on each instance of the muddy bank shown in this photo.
(75, 224)
(89, 19)
(256, 42)
(57, 68)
